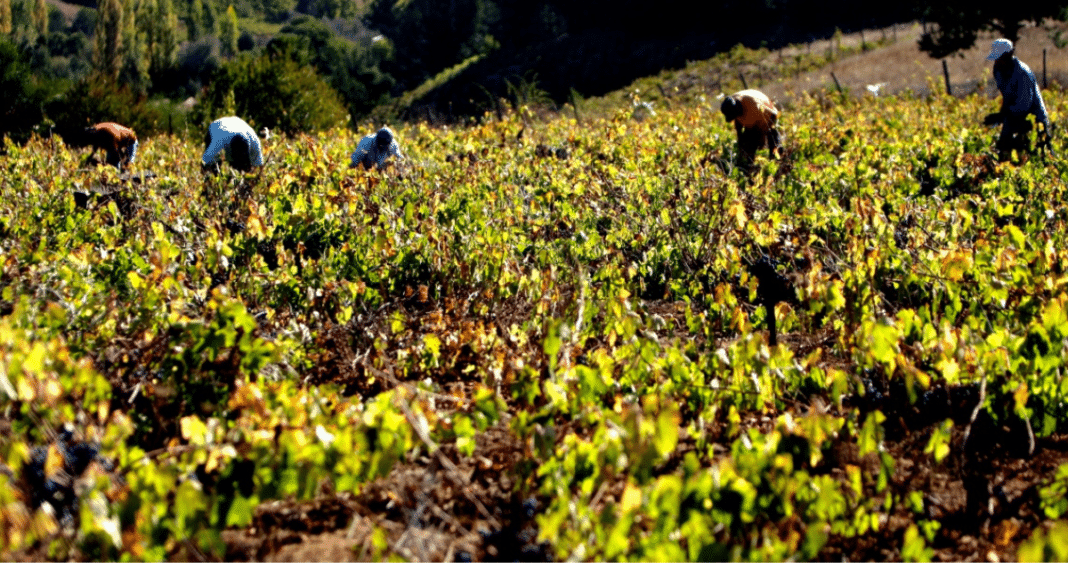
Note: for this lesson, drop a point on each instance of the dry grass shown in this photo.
(893, 60)
(902, 66)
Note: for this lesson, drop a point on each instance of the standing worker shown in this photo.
(119, 143)
(238, 139)
(1020, 97)
(754, 118)
(375, 149)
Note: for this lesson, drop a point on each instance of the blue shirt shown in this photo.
(1019, 89)
(367, 151)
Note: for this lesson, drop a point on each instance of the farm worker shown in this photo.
(375, 149)
(1019, 97)
(754, 118)
(238, 139)
(118, 142)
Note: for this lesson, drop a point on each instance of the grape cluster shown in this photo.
(57, 488)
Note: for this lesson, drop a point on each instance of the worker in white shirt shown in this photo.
(238, 139)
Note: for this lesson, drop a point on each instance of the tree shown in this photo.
(98, 98)
(108, 51)
(202, 20)
(954, 25)
(229, 32)
(159, 29)
(6, 25)
(134, 70)
(40, 18)
(272, 90)
(430, 35)
(277, 11)
(20, 106)
(353, 68)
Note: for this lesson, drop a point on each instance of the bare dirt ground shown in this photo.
(900, 65)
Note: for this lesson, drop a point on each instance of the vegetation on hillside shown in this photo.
(161, 53)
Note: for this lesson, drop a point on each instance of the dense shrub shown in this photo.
(271, 90)
(97, 99)
(353, 67)
(23, 95)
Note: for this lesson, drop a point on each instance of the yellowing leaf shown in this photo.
(737, 212)
(1019, 397)
(632, 498)
(53, 461)
(193, 430)
(956, 264)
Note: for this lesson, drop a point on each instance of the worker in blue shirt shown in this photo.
(1020, 97)
(375, 149)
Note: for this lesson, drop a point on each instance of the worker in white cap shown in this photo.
(375, 149)
(1020, 96)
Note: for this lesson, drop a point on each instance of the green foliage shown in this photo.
(6, 24)
(40, 18)
(202, 19)
(457, 30)
(353, 69)
(96, 99)
(159, 30)
(311, 328)
(24, 94)
(108, 53)
(229, 32)
(275, 91)
(1046, 544)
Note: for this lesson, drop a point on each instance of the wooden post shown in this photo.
(863, 43)
(945, 72)
(742, 76)
(836, 83)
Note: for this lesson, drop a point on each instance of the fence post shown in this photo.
(742, 76)
(836, 83)
(945, 71)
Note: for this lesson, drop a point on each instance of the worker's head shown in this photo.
(731, 108)
(383, 138)
(1001, 50)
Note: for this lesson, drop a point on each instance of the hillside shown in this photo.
(892, 60)
(546, 337)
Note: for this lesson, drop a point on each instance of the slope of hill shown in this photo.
(891, 60)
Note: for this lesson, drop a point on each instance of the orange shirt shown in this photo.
(112, 136)
(757, 110)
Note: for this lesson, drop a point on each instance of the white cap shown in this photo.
(998, 48)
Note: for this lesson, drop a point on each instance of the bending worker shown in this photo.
(1019, 98)
(118, 142)
(375, 149)
(237, 138)
(754, 118)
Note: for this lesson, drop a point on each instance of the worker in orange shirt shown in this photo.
(118, 142)
(754, 118)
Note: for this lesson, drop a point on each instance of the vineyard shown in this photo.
(543, 339)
